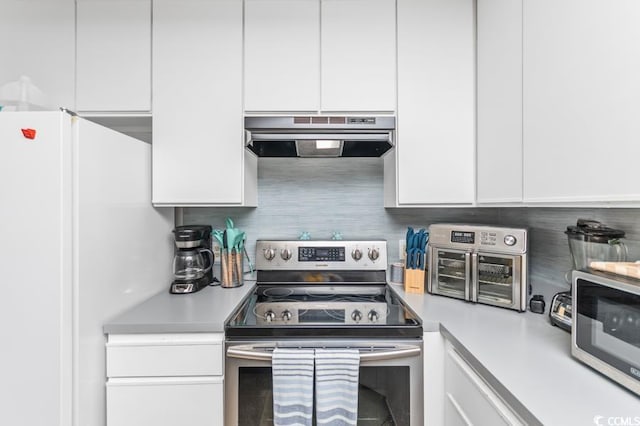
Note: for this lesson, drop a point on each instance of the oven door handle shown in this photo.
(258, 353)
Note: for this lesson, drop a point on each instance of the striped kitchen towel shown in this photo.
(337, 373)
(292, 371)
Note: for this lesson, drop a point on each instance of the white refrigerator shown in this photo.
(79, 243)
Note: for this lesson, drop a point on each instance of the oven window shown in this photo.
(451, 278)
(608, 325)
(383, 396)
(495, 279)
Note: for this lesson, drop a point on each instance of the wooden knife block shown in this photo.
(414, 280)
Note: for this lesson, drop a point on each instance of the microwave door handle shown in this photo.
(249, 353)
(467, 275)
(474, 277)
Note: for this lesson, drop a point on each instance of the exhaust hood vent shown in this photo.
(319, 136)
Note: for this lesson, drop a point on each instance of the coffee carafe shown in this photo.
(193, 259)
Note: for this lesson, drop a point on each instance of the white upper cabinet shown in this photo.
(282, 61)
(581, 101)
(198, 151)
(435, 151)
(358, 51)
(499, 103)
(320, 56)
(37, 39)
(113, 55)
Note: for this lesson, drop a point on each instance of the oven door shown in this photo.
(449, 273)
(606, 327)
(497, 280)
(390, 390)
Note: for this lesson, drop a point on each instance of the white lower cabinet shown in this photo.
(165, 379)
(193, 401)
(468, 398)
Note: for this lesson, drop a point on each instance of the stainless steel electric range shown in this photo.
(325, 294)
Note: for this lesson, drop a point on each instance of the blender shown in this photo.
(193, 259)
(589, 241)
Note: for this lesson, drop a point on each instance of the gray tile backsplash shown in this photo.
(321, 196)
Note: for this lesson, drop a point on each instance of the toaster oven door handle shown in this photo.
(263, 353)
(474, 277)
(467, 276)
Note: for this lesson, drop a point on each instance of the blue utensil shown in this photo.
(419, 259)
(409, 238)
(415, 259)
(412, 243)
(410, 258)
(422, 239)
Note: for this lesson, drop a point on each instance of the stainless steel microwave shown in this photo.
(606, 325)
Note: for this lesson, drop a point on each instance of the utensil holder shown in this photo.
(231, 269)
(414, 280)
(396, 275)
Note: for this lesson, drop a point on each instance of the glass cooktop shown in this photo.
(313, 311)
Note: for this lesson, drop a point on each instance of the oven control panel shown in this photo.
(333, 313)
(321, 255)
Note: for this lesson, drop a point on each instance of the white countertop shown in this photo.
(203, 312)
(521, 352)
(531, 359)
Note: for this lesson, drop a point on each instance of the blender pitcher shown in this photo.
(591, 241)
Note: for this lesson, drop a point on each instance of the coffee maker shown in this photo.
(193, 259)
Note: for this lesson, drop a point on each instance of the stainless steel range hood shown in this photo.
(320, 136)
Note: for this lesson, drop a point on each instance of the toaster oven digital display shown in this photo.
(463, 237)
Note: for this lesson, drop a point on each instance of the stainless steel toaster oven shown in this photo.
(480, 264)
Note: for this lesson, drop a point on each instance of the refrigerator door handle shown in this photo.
(474, 277)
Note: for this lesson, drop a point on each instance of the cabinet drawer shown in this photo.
(469, 399)
(165, 355)
(193, 401)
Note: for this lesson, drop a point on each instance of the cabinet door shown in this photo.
(37, 40)
(113, 55)
(499, 146)
(581, 90)
(358, 51)
(436, 102)
(282, 55)
(468, 398)
(198, 152)
(194, 401)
